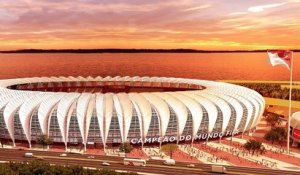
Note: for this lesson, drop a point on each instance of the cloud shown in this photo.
(6, 16)
(237, 13)
(198, 7)
(261, 8)
(152, 24)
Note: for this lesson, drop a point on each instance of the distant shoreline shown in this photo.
(129, 51)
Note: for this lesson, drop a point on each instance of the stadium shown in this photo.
(95, 112)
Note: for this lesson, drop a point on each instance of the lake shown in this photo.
(210, 66)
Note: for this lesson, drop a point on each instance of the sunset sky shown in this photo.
(211, 25)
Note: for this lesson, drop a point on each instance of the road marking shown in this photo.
(237, 172)
(240, 173)
(174, 167)
(110, 161)
(74, 158)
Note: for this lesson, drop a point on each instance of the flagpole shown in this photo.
(290, 105)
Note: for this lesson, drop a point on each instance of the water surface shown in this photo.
(210, 66)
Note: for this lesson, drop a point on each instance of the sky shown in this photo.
(165, 24)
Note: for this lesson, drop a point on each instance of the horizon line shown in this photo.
(132, 50)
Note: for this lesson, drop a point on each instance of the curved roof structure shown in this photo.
(81, 97)
(295, 120)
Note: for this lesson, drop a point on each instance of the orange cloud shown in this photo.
(53, 24)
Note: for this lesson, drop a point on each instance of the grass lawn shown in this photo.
(288, 86)
(259, 81)
(280, 102)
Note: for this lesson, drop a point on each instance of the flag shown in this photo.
(296, 133)
(280, 57)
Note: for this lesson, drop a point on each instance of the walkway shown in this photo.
(181, 156)
(201, 155)
(178, 155)
(223, 154)
(271, 151)
(112, 151)
(95, 151)
(137, 153)
(154, 153)
(259, 159)
(262, 127)
(275, 146)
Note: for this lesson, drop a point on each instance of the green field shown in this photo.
(288, 86)
(259, 81)
(273, 101)
(280, 102)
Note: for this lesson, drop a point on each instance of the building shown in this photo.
(295, 128)
(111, 110)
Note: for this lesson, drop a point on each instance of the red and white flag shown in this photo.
(280, 57)
(296, 133)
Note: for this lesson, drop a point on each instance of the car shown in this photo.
(218, 169)
(28, 155)
(63, 155)
(169, 162)
(91, 157)
(191, 165)
(105, 163)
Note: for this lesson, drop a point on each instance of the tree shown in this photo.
(254, 146)
(273, 119)
(276, 134)
(169, 148)
(37, 168)
(271, 136)
(43, 140)
(273, 90)
(125, 147)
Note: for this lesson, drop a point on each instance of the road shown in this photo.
(116, 163)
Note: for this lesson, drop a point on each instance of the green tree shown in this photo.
(169, 148)
(125, 147)
(273, 119)
(271, 136)
(254, 146)
(276, 134)
(43, 140)
(39, 168)
(274, 90)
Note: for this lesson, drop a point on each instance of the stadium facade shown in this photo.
(112, 110)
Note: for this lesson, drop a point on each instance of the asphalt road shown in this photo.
(116, 163)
